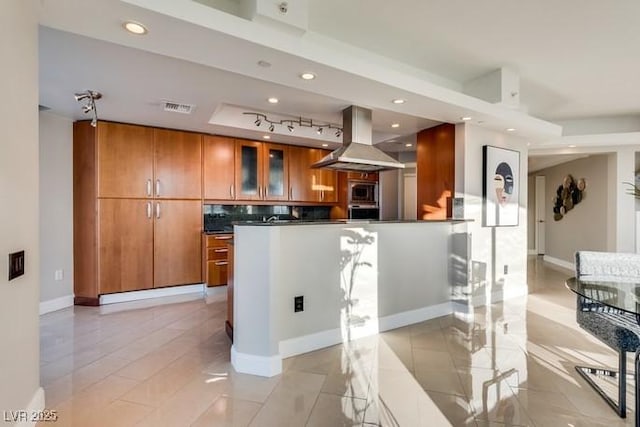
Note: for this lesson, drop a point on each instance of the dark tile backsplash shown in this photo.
(220, 218)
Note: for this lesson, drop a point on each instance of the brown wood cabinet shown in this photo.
(124, 160)
(125, 246)
(306, 184)
(216, 253)
(177, 164)
(127, 235)
(219, 168)
(435, 152)
(177, 234)
(363, 176)
(230, 286)
(262, 171)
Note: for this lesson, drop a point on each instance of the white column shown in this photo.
(625, 220)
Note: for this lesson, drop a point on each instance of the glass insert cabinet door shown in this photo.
(261, 171)
(276, 169)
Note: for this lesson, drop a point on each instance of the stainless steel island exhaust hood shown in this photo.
(357, 152)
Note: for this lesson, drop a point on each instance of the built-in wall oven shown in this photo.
(363, 200)
(363, 193)
(364, 212)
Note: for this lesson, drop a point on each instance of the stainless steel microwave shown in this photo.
(363, 193)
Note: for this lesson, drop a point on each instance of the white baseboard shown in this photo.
(415, 316)
(263, 366)
(56, 304)
(311, 342)
(559, 262)
(151, 293)
(35, 406)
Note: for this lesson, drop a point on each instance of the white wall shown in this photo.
(56, 206)
(585, 226)
(498, 246)
(19, 334)
(531, 212)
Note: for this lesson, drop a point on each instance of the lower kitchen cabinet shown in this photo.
(145, 244)
(216, 253)
(125, 246)
(177, 231)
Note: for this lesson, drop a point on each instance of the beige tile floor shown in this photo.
(166, 363)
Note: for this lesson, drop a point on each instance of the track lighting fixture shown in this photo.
(291, 124)
(90, 97)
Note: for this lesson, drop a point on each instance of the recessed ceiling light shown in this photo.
(395, 125)
(307, 76)
(572, 146)
(273, 100)
(465, 118)
(511, 129)
(408, 144)
(325, 145)
(398, 101)
(264, 64)
(266, 137)
(135, 28)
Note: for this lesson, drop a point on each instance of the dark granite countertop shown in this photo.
(345, 221)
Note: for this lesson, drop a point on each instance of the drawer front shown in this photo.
(217, 253)
(218, 240)
(217, 273)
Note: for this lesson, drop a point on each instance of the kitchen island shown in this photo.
(301, 286)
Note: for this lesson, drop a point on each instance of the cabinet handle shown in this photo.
(222, 237)
(322, 195)
(158, 210)
(148, 188)
(266, 192)
(260, 192)
(231, 192)
(221, 250)
(290, 193)
(221, 262)
(149, 210)
(157, 188)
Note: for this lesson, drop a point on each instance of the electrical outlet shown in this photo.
(506, 269)
(58, 275)
(16, 265)
(298, 304)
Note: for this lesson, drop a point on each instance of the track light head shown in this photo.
(94, 121)
(258, 122)
(290, 128)
(80, 96)
(87, 108)
(271, 128)
(319, 131)
(338, 133)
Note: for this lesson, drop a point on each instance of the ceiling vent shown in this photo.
(175, 107)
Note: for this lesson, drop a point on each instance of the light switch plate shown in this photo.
(16, 265)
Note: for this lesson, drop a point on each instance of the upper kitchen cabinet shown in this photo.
(307, 184)
(219, 168)
(363, 176)
(262, 171)
(125, 159)
(178, 164)
(301, 174)
(325, 180)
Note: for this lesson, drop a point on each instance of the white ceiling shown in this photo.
(575, 59)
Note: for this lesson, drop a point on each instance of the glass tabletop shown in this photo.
(620, 295)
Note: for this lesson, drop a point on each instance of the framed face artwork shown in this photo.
(500, 186)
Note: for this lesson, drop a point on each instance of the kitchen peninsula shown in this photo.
(303, 286)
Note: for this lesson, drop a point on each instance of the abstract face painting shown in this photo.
(500, 186)
(503, 183)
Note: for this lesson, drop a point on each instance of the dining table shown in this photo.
(614, 296)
